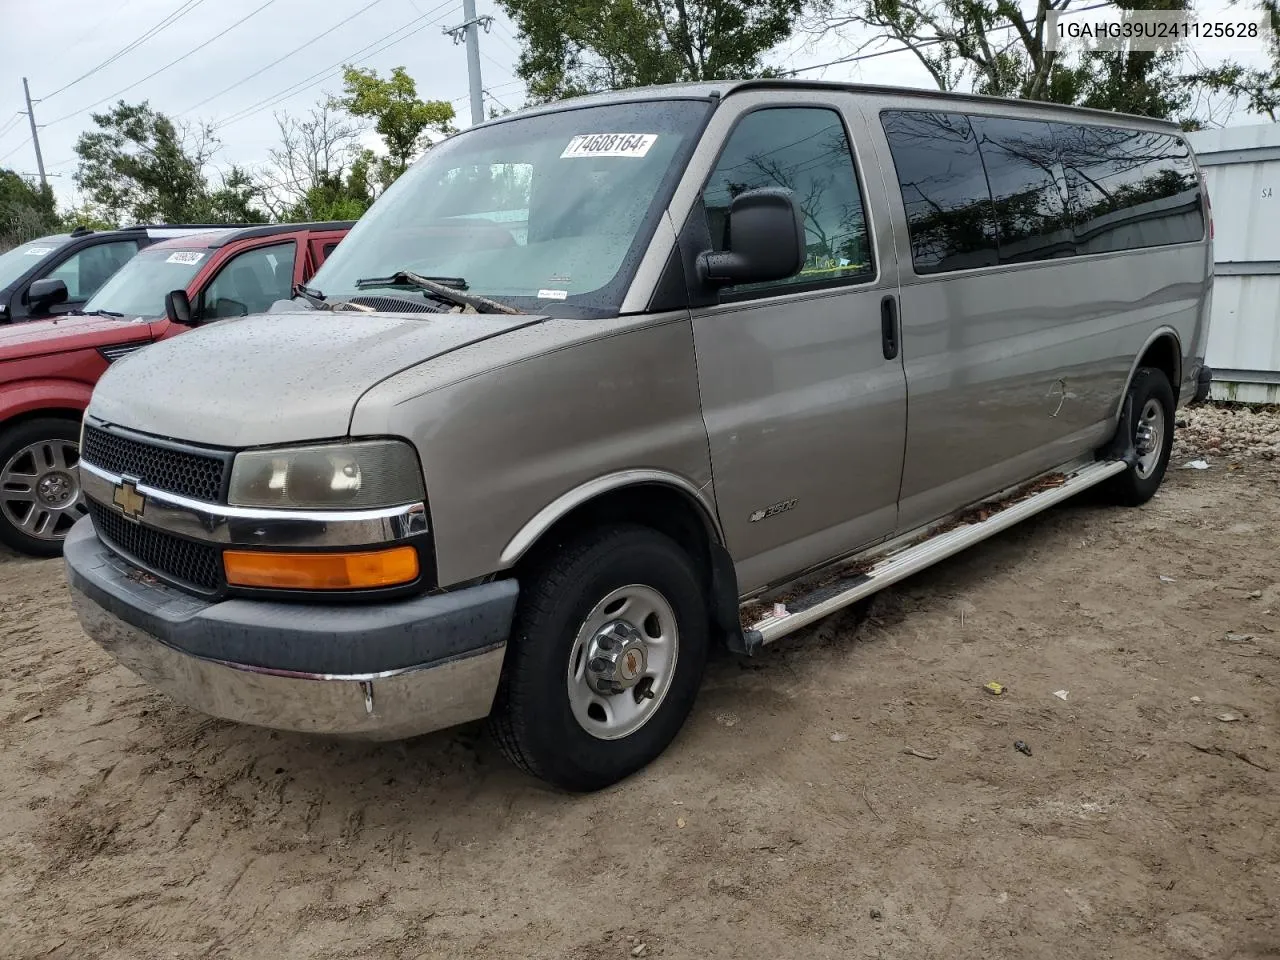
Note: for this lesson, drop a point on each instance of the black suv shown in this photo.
(57, 274)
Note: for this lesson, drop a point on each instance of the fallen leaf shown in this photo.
(1228, 717)
(680, 822)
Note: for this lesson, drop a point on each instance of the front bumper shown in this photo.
(377, 672)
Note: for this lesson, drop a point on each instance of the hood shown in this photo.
(277, 378)
(34, 338)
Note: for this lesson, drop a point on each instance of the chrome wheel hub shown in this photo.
(1148, 439)
(616, 658)
(622, 662)
(40, 490)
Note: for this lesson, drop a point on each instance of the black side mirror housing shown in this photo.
(43, 294)
(177, 307)
(766, 240)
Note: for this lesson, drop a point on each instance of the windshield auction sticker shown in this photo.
(185, 256)
(609, 145)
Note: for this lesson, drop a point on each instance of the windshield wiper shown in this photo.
(444, 289)
(100, 313)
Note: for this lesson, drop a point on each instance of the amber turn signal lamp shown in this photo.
(321, 571)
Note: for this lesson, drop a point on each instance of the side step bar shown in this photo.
(894, 565)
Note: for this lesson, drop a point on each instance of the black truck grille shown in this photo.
(189, 474)
(195, 564)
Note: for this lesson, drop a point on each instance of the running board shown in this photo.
(917, 554)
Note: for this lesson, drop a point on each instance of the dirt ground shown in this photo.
(786, 821)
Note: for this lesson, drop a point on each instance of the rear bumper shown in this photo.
(380, 672)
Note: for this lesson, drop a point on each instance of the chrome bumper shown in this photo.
(374, 671)
(390, 706)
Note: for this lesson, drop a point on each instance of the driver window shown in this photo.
(86, 271)
(250, 283)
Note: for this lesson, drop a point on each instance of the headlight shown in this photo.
(329, 476)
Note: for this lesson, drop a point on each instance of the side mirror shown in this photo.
(177, 307)
(43, 294)
(766, 240)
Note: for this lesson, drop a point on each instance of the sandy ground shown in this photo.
(787, 820)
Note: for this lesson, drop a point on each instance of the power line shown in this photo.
(13, 122)
(923, 43)
(15, 150)
(196, 49)
(164, 24)
(279, 60)
(321, 75)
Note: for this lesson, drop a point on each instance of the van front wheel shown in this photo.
(605, 661)
(1150, 427)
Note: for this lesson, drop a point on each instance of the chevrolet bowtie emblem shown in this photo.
(129, 500)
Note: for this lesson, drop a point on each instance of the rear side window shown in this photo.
(1129, 189)
(804, 149)
(1027, 189)
(950, 220)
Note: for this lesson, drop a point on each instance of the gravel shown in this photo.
(1230, 432)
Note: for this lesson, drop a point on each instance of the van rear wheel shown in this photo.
(605, 660)
(1150, 427)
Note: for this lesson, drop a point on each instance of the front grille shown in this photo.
(195, 475)
(196, 564)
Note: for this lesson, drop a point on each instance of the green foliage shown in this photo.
(572, 47)
(1000, 48)
(404, 122)
(26, 210)
(1258, 89)
(139, 167)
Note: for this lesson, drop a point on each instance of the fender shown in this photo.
(560, 507)
(28, 396)
(1165, 331)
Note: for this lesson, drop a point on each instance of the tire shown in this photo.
(1150, 439)
(40, 494)
(554, 726)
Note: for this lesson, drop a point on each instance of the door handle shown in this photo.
(889, 326)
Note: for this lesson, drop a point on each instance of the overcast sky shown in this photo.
(54, 42)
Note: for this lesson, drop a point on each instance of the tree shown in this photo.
(26, 210)
(319, 171)
(1000, 48)
(139, 166)
(404, 122)
(571, 47)
(1259, 89)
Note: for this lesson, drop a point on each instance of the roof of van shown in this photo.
(213, 239)
(722, 88)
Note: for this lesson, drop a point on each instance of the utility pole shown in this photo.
(35, 136)
(468, 29)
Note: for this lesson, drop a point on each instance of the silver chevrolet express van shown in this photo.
(599, 384)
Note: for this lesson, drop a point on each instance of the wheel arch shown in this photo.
(663, 501)
(43, 398)
(1163, 351)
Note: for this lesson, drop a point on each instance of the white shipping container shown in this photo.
(1242, 169)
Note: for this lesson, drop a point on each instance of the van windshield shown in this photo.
(14, 263)
(137, 289)
(549, 210)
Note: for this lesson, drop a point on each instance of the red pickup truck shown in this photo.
(48, 367)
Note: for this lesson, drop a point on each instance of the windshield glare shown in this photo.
(137, 289)
(14, 263)
(549, 209)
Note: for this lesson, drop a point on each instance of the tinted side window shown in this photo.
(944, 189)
(1129, 189)
(250, 282)
(804, 149)
(1023, 171)
(86, 271)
